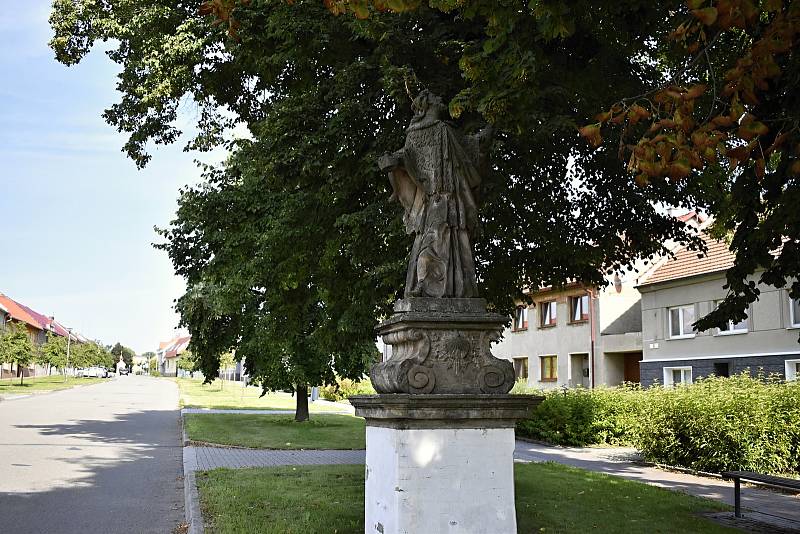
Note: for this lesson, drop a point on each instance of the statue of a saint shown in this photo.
(436, 177)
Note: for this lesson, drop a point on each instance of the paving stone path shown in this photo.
(205, 458)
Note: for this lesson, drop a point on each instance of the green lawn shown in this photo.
(277, 431)
(10, 386)
(550, 498)
(231, 395)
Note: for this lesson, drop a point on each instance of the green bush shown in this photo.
(716, 424)
(719, 424)
(345, 388)
(579, 417)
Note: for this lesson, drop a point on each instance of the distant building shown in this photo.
(37, 325)
(687, 288)
(169, 352)
(576, 336)
(579, 336)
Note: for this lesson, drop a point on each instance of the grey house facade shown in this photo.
(686, 288)
(576, 336)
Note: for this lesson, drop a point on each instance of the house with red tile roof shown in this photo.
(37, 324)
(169, 352)
(687, 287)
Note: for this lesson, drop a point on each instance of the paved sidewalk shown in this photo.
(205, 458)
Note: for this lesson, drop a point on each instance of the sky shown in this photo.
(77, 216)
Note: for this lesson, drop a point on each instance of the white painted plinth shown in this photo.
(440, 480)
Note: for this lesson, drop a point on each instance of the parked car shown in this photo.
(80, 372)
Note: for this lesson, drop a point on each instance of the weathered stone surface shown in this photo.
(442, 346)
(436, 177)
(443, 410)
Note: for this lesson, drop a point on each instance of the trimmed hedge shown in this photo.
(715, 424)
(344, 388)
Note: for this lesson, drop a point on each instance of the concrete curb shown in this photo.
(194, 516)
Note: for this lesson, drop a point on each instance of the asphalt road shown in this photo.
(104, 458)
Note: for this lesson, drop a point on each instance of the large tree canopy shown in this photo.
(290, 249)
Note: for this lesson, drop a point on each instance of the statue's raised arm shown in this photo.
(436, 177)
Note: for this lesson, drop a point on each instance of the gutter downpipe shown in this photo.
(592, 332)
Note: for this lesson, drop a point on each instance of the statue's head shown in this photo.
(427, 104)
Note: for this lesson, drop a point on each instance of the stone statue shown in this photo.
(440, 334)
(436, 177)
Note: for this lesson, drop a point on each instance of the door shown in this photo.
(631, 371)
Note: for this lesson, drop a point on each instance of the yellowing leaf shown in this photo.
(592, 134)
(752, 129)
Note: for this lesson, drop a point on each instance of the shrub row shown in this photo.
(716, 424)
(344, 388)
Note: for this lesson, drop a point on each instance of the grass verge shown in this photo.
(10, 386)
(549, 498)
(226, 395)
(277, 431)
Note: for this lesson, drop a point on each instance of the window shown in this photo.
(722, 369)
(549, 368)
(676, 376)
(547, 312)
(734, 328)
(680, 322)
(795, 309)
(520, 318)
(521, 368)
(792, 370)
(579, 309)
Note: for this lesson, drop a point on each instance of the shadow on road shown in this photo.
(105, 475)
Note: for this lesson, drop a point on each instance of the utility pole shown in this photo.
(69, 338)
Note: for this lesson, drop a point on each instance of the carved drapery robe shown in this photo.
(436, 178)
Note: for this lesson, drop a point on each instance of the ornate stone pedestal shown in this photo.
(441, 463)
(442, 345)
(440, 437)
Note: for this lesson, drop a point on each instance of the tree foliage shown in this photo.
(91, 354)
(127, 354)
(53, 353)
(727, 120)
(290, 249)
(16, 347)
(187, 361)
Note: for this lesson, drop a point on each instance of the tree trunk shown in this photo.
(21, 375)
(301, 412)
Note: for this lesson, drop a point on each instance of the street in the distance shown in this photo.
(100, 458)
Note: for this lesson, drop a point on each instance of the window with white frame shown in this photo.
(547, 313)
(680, 322)
(676, 376)
(579, 308)
(794, 305)
(732, 327)
(521, 318)
(792, 370)
(521, 368)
